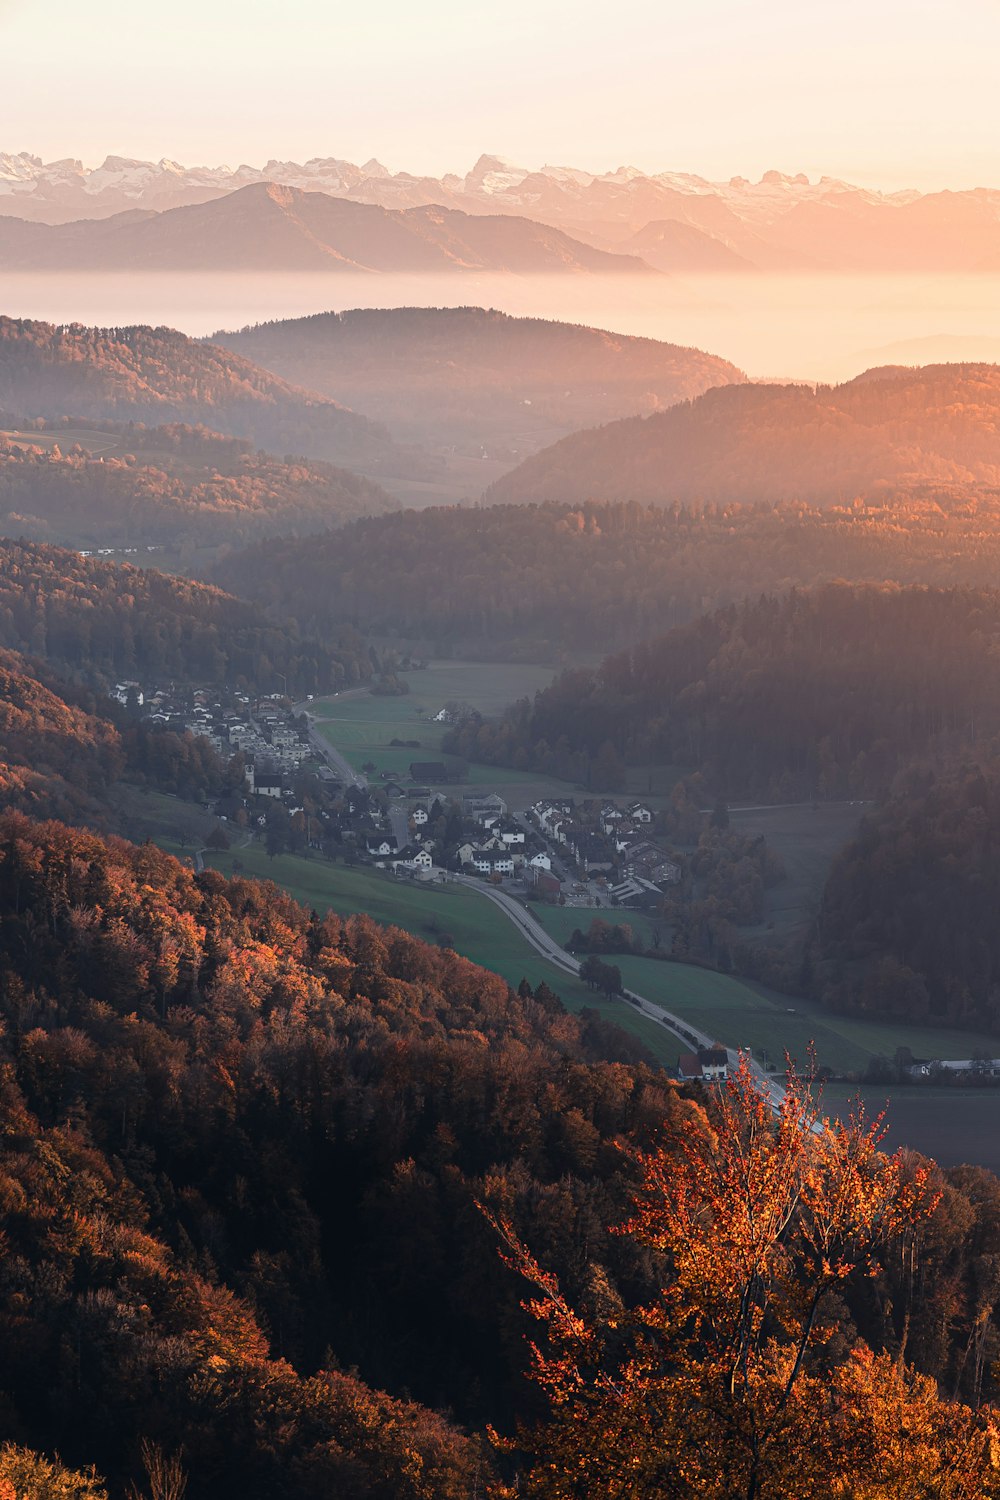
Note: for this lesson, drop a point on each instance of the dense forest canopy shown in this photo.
(239, 1178)
(537, 581)
(176, 486)
(96, 621)
(826, 693)
(908, 924)
(476, 377)
(880, 432)
(157, 375)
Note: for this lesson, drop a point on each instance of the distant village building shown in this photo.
(710, 1064)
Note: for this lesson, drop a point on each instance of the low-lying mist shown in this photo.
(818, 327)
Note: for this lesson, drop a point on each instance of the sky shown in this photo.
(887, 93)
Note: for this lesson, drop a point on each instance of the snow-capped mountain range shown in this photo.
(54, 191)
(675, 221)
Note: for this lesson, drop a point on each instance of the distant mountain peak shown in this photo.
(784, 221)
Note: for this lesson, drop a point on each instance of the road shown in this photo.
(348, 775)
(547, 946)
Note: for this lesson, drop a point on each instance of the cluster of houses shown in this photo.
(558, 845)
(493, 843)
(601, 840)
(263, 730)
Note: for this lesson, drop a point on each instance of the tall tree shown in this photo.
(729, 1383)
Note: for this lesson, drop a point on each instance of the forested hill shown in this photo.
(178, 486)
(158, 376)
(64, 748)
(821, 694)
(56, 758)
(96, 621)
(476, 378)
(536, 581)
(908, 925)
(881, 432)
(242, 1152)
(242, 1155)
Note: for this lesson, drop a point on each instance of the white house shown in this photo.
(493, 862)
(711, 1064)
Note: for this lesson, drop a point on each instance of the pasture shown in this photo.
(362, 726)
(807, 837)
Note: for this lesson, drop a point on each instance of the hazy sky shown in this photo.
(886, 92)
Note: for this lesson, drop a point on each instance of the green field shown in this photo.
(477, 927)
(807, 839)
(742, 1014)
(362, 726)
(486, 686)
(734, 1011)
(561, 921)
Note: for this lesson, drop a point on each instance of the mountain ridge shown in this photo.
(782, 222)
(274, 227)
(474, 376)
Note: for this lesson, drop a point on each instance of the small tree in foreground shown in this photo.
(728, 1382)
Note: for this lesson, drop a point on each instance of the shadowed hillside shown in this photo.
(117, 484)
(478, 378)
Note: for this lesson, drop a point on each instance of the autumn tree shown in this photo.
(732, 1379)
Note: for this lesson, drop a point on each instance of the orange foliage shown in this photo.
(730, 1381)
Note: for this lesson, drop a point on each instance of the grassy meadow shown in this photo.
(362, 727)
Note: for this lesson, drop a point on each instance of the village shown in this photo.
(299, 794)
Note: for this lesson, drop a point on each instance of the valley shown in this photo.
(500, 753)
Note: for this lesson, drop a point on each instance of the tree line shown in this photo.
(817, 694)
(538, 582)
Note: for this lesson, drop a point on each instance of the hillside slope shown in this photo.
(820, 694)
(158, 375)
(181, 487)
(882, 431)
(476, 377)
(95, 621)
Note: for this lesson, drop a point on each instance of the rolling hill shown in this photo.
(475, 377)
(159, 376)
(888, 429)
(123, 485)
